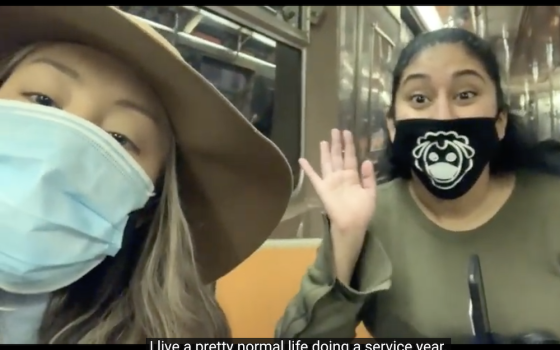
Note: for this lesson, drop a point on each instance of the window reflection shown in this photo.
(260, 76)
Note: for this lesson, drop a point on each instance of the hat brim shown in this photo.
(235, 184)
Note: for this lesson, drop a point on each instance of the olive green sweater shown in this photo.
(411, 278)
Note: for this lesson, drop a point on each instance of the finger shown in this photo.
(350, 161)
(326, 166)
(368, 175)
(336, 150)
(310, 172)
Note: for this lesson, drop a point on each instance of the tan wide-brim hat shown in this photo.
(235, 183)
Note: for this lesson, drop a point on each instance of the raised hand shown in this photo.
(348, 198)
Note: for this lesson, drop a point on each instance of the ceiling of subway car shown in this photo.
(536, 48)
(526, 40)
(501, 29)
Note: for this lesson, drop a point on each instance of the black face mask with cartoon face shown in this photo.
(447, 156)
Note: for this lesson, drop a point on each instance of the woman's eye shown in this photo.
(420, 99)
(43, 100)
(465, 95)
(124, 141)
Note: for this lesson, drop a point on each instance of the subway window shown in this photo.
(262, 77)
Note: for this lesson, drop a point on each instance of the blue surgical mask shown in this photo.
(66, 191)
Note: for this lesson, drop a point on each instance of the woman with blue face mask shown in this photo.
(466, 179)
(128, 184)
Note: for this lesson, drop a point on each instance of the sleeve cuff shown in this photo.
(372, 272)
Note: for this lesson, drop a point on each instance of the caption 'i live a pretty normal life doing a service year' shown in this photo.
(288, 344)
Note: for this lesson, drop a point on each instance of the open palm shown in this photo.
(349, 198)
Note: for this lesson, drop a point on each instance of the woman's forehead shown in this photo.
(79, 58)
(444, 60)
(93, 69)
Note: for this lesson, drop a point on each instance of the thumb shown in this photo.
(368, 175)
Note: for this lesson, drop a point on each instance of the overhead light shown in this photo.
(429, 16)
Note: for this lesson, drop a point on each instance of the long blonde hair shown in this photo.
(150, 289)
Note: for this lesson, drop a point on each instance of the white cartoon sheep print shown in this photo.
(444, 156)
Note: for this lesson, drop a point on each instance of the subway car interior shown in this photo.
(298, 71)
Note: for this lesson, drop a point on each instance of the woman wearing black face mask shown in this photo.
(466, 180)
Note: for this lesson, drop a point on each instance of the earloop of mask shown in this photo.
(503, 108)
(497, 117)
(139, 220)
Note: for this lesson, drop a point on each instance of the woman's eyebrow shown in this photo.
(138, 108)
(457, 74)
(72, 73)
(61, 67)
(468, 72)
